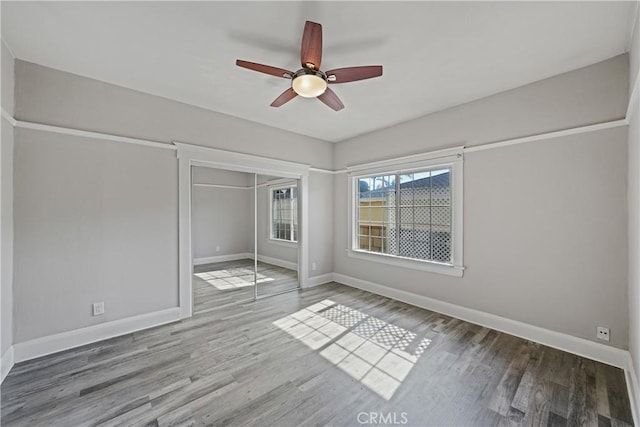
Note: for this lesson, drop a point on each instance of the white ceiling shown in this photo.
(435, 54)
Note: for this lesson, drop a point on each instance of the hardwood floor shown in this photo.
(219, 284)
(330, 355)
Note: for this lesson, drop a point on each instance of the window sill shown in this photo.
(430, 266)
(286, 243)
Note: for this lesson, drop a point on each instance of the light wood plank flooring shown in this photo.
(219, 284)
(330, 355)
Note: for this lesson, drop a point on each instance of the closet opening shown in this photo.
(244, 235)
(242, 224)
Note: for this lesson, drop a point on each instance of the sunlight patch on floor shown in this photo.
(378, 354)
(232, 278)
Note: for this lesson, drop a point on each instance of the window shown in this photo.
(410, 217)
(284, 213)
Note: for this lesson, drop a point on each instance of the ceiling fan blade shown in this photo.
(285, 97)
(330, 98)
(311, 51)
(352, 74)
(267, 69)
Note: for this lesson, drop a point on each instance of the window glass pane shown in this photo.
(441, 246)
(377, 214)
(364, 241)
(378, 183)
(391, 198)
(406, 216)
(390, 214)
(422, 244)
(422, 196)
(364, 186)
(406, 243)
(441, 188)
(421, 177)
(406, 196)
(284, 213)
(419, 228)
(440, 216)
(382, 196)
(404, 178)
(377, 244)
(422, 215)
(390, 182)
(365, 229)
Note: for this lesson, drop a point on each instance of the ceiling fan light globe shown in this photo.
(309, 85)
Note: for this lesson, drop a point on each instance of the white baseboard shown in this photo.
(6, 363)
(275, 261)
(54, 343)
(221, 258)
(318, 280)
(233, 257)
(579, 346)
(634, 390)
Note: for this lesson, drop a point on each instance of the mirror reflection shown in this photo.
(277, 234)
(245, 236)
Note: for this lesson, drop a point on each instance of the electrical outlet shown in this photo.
(313, 266)
(217, 248)
(603, 333)
(98, 308)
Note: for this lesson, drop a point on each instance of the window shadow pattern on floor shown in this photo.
(378, 354)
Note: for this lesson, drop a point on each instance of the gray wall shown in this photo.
(6, 205)
(634, 51)
(634, 209)
(634, 242)
(58, 98)
(94, 221)
(224, 216)
(221, 217)
(553, 213)
(8, 79)
(321, 201)
(589, 95)
(97, 220)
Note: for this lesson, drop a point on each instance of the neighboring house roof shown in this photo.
(440, 180)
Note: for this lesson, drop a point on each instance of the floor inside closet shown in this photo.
(218, 284)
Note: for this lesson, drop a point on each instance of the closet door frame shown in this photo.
(195, 155)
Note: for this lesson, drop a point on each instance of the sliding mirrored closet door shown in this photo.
(277, 234)
(222, 217)
(245, 232)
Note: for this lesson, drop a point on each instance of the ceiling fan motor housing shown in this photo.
(309, 83)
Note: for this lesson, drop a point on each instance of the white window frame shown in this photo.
(271, 189)
(449, 158)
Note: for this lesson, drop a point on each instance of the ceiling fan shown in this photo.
(310, 81)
